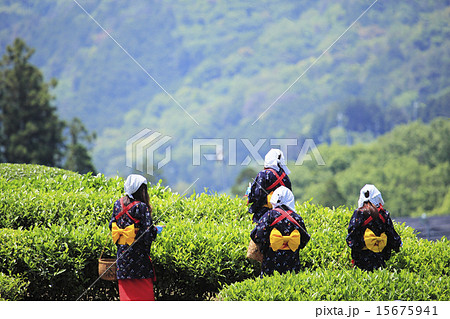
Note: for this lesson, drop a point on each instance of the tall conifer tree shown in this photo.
(78, 158)
(30, 131)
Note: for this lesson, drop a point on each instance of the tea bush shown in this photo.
(54, 225)
(337, 284)
(203, 245)
(420, 271)
(12, 288)
(59, 261)
(194, 257)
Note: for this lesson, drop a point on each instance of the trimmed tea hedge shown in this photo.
(420, 271)
(12, 288)
(53, 226)
(337, 284)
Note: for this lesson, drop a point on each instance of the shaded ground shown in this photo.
(431, 228)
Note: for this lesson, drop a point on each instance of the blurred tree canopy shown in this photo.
(30, 129)
(78, 157)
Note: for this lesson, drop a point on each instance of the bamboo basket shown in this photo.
(253, 252)
(107, 268)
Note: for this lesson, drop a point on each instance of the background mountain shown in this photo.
(409, 165)
(227, 68)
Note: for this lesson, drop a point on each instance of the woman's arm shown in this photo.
(394, 240)
(354, 237)
(260, 234)
(146, 223)
(116, 210)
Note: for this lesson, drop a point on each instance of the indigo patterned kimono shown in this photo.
(363, 225)
(281, 260)
(134, 262)
(261, 187)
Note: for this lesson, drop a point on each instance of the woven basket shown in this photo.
(107, 268)
(253, 252)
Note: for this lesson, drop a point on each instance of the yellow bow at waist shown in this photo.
(278, 241)
(373, 242)
(269, 204)
(125, 235)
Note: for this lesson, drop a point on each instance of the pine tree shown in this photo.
(30, 131)
(78, 158)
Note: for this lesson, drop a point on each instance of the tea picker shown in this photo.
(371, 234)
(133, 232)
(274, 175)
(280, 233)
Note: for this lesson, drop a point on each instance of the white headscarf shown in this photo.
(374, 196)
(283, 196)
(274, 158)
(133, 183)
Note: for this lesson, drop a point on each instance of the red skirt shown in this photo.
(136, 289)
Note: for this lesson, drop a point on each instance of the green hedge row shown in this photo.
(53, 225)
(31, 199)
(420, 271)
(337, 284)
(12, 287)
(59, 262)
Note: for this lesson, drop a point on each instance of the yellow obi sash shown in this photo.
(373, 242)
(268, 204)
(123, 236)
(278, 241)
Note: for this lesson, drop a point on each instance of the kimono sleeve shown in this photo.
(257, 190)
(304, 236)
(354, 237)
(147, 224)
(394, 239)
(260, 234)
(116, 210)
(287, 182)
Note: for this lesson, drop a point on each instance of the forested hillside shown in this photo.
(224, 63)
(410, 165)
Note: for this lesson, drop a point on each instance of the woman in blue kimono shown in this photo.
(371, 234)
(133, 232)
(280, 234)
(274, 175)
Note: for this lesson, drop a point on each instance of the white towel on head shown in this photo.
(275, 159)
(283, 196)
(374, 196)
(132, 184)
